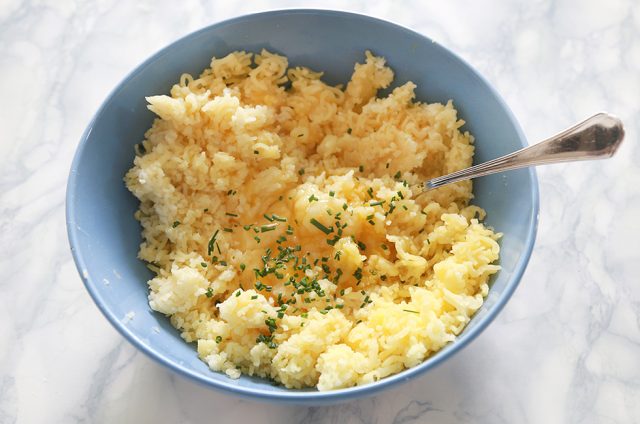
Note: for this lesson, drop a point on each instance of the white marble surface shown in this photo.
(565, 349)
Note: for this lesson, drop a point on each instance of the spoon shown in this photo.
(597, 137)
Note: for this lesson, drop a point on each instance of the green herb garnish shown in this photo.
(278, 218)
(269, 227)
(321, 227)
(212, 242)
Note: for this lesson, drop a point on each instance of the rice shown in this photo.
(278, 216)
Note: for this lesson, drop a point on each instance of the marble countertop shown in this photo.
(565, 349)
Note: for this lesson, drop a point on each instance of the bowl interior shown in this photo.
(104, 235)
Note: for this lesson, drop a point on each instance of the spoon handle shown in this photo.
(597, 137)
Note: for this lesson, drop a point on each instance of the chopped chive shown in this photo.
(238, 293)
(333, 241)
(269, 227)
(243, 267)
(206, 210)
(344, 206)
(312, 198)
(384, 246)
(212, 242)
(271, 323)
(209, 293)
(231, 214)
(278, 218)
(268, 218)
(332, 193)
(361, 245)
(227, 230)
(358, 274)
(378, 203)
(405, 207)
(387, 165)
(254, 297)
(391, 208)
(175, 224)
(321, 227)
(370, 192)
(361, 168)
(397, 175)
(218, 339)
(301, 171)
(203, 264)
(409, 310)
(349, 130)
(223, 263)
(246, 227)
(255, 152)
(256, 238)
(400, 195)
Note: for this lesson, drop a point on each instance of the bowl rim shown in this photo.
(298, 397)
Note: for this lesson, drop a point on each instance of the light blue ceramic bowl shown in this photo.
(104, 236)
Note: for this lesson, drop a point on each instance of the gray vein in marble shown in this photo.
(566, 347)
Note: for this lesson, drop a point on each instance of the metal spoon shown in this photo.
(597, 137)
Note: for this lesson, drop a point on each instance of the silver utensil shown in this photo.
(597, 137)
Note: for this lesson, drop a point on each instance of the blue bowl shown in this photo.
(105, 237)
